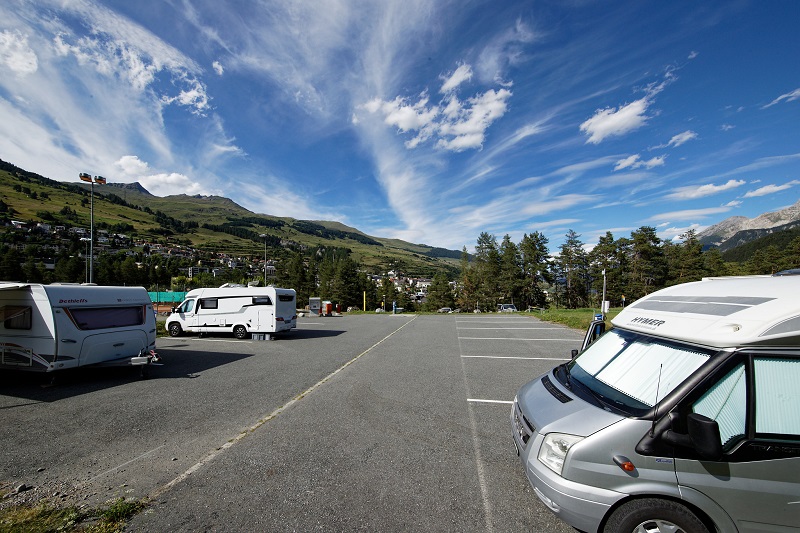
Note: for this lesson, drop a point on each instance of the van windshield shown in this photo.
(630, 372)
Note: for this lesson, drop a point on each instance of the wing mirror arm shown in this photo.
(703, 437)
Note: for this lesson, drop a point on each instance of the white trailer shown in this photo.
(55, 327)
(242, 311)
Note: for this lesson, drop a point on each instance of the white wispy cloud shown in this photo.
(132, 169)
(689, 214)
(682, 138)
(788, 97)
(618, 121)
(455, 124)
(612, 121)
(634, 162)
(16, 54)
(462, 74)
(504, 50)
(692, 192)
(771, 189)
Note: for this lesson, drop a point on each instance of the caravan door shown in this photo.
(265, 309)
(69, 340)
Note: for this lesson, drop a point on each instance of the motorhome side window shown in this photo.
(286, 297)
(107, 317)
(209, 303)
(186, 307)
(262, 300)
(775, 395)
(15, 317)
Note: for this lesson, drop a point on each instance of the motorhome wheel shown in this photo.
(175, 329)
(240, 332)
(651, 515)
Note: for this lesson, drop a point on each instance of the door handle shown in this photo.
(69, 341)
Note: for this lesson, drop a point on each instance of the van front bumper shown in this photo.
(581, 506)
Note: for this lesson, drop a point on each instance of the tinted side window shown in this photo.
(777, 395)
(107, 317)
(262, 300)
(209, 303)
(286, 297)
(726, 402)
(186, 307)
(16, 317)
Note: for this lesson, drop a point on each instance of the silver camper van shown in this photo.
(685, 416)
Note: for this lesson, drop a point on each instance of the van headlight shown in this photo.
(554, 450)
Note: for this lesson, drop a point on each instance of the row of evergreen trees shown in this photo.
(631, 267)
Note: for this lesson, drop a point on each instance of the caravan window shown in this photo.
(262, 300)
(209, 303)
(15, 317)
(286, 297)
(107, 317)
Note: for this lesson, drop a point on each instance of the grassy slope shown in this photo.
(203, 210)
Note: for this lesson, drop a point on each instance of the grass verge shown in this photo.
(44, 518)
(573, 318)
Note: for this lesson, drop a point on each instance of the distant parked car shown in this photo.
(445, 310)
(506, 308)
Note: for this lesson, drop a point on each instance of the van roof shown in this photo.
(721, 312)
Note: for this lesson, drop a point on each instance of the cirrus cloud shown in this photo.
(771, 189)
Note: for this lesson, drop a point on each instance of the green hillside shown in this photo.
(206, 223)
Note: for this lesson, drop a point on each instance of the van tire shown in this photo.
(240, 332)
(174, 329)
(651, 515)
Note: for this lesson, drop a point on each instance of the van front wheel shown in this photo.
(651, 515)
(175, 330)
(240, 332)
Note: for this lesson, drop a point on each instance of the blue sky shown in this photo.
(429, 121)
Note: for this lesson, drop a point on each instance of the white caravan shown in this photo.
(55, 327)
(239, 310)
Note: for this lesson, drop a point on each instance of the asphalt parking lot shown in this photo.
(365, 422)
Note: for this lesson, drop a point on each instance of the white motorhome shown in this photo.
(242, 311)
(55, 327)
(683, 417)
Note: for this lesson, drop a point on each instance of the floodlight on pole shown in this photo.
(100, 180)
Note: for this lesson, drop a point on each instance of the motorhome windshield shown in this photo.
(630, 372)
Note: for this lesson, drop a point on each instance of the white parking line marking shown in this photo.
(266, 418)
(500, 327)
(510, 339)
(476, 400)
(513, 357)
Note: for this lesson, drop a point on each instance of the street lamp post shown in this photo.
(100, 180)
(264, 236)
(86, 259)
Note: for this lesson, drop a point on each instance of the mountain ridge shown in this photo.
(737, 230)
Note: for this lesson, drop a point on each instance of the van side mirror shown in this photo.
(703, 437)
(596, 328)
(574, 353)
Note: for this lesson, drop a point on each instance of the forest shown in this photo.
(526, 274)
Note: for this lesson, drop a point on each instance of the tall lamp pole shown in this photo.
(86, 259)
(100, 180)
(264, 236)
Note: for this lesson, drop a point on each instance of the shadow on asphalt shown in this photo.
(177, 364)
(54, 386)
